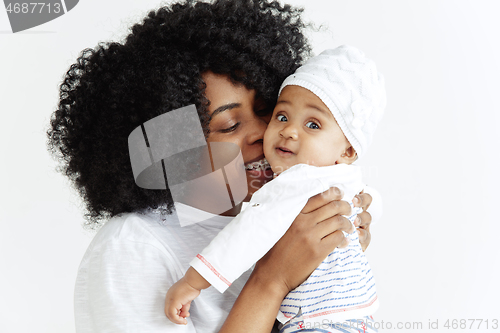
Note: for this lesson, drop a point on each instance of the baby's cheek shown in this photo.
(267, 151)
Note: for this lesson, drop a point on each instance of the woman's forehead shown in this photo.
(222, 92)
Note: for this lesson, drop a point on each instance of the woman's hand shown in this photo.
(315, 233)
(364, 219)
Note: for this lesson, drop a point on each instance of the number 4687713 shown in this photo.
(471, 324)
(33, 7)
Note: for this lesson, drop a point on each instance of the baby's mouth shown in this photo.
(261, 165)
(284, 150)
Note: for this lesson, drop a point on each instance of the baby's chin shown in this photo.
(278, 169)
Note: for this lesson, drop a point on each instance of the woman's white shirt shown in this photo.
(131, 263)
(135, 258)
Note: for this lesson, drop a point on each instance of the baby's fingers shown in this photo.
(184, 313)
(173, 314)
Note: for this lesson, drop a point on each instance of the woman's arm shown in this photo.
(313, 235)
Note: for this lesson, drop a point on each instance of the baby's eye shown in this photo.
(312, 125)
(281, 118)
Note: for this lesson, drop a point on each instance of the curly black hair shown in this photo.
(115, 87)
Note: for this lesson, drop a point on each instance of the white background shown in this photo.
(434, 157)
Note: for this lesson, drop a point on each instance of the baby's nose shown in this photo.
(289, 132)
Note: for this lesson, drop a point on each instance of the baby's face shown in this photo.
(303, 130)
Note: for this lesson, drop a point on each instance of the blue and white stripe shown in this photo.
(343, 282)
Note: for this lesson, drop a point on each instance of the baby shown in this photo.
(323, 121)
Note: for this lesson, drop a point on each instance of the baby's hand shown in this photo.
(178, 301)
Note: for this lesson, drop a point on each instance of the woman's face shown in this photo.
(235, 118)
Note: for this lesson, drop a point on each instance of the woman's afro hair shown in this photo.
(115, 87)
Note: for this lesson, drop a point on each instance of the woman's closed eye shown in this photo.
(230, 129)
(312, 125)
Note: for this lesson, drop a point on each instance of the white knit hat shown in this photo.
(350, 86)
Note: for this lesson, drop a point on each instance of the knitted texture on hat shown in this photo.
(350, 86)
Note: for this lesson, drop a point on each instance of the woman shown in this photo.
(229, 56)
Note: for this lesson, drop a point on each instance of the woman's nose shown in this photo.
(289, 131)
(257, 129)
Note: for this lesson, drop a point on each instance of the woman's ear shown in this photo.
(348, 156)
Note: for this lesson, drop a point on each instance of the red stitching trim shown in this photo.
(341, 310)
(203, 260)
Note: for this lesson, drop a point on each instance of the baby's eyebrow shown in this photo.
(323, 111)
(326, 112)
(225, 107)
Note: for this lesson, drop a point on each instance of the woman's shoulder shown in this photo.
(127, 227)
(133, 234)
(132, 242)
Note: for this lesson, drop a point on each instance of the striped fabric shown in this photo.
(342, 287)
(363, 325)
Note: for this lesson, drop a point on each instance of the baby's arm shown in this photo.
(181, 294)
(250, 235)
